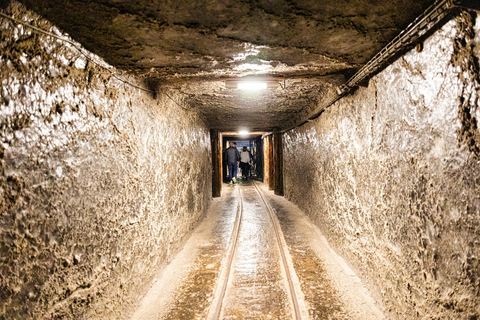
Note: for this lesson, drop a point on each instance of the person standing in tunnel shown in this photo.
(232, 157)
(245, 159)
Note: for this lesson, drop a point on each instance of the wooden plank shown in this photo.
(259, 159)
(278, 163)
(265, 161)
(271, 180)
(216, 163)
(224, 165)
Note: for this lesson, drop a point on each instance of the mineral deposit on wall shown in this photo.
(391, 174)
(99, 181)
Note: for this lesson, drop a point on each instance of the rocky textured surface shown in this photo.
(189, 45)
(391, 175)
(181, 38)
(99, 181)
(230, 109)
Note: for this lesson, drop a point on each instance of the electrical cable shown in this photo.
(86, 55)
(78, 48)
(431, 17)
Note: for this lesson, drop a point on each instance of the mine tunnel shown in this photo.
(353, 190)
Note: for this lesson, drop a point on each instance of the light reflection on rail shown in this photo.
(215, 310)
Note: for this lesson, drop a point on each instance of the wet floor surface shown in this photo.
(257, 286)
(193, 298)
(185, 289)
(322, 300)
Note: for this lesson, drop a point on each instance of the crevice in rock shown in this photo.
(464, 58)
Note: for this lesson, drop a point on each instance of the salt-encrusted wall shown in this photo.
(99, 181)
(391, 174)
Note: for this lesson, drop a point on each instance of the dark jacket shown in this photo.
(232, 155)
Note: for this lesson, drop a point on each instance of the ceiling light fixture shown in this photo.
(243, 133)
(253, 83)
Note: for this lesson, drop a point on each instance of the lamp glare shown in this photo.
(252, 85)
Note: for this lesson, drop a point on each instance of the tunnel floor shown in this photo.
(232, 267)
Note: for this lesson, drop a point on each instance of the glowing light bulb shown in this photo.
(252, 85)
(243, 133)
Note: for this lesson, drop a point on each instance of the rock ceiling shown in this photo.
(190, 45)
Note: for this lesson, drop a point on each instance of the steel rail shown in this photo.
(291, 287)
(233, 245)
(421, 25)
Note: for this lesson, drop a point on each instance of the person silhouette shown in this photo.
(232, 157)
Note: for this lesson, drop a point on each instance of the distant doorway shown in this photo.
(255, 148)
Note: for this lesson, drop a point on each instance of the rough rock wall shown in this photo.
(99, 181)
(391, 174)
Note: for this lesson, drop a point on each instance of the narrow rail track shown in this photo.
(282, 248)
(216, 307)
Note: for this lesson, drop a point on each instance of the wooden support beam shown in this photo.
(271, 181)
(224, 164)
(215, 140)
(265, 160)
(259, 159)
(278, 163)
